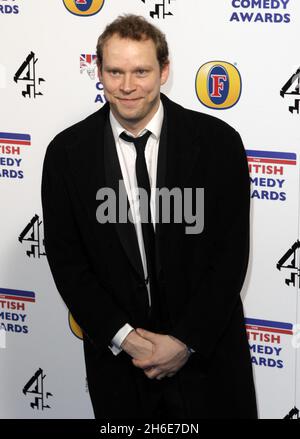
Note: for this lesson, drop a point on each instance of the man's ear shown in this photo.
(165, 73)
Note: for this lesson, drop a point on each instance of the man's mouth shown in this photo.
(129, 101)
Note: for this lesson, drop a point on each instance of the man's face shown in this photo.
(132, 78)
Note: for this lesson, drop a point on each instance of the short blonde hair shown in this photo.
(137, 28)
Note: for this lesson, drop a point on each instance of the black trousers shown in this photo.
(148, 399)
(161, 399)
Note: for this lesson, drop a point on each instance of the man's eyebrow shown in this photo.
(138, 67)
(108, 67)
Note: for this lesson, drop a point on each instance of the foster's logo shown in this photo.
(84, 7)
(218, 85)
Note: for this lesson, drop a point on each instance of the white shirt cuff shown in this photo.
(119, 338)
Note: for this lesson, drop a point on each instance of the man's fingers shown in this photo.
(154, 373)
(159, 377)
(143, 364)
(148, 335)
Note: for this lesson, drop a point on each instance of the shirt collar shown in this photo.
(154, 125)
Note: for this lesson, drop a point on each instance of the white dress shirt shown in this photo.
(127, 155)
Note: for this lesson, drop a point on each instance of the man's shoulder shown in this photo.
(79, 134)
(196, 120)
(82, 128)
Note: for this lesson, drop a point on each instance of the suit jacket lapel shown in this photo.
(183, 149)
(178, 153)
(160, 183)
(113, 174)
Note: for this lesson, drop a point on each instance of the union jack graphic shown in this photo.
(88, 64)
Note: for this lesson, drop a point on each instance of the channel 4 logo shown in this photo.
(84, 8)
(218, 85)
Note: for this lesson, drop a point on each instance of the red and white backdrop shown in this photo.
(234, 59)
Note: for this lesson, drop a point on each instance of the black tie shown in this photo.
(147, 227)
(142, 175)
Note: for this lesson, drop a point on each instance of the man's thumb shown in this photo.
(146, 334)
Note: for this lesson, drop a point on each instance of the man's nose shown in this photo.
(128, 84)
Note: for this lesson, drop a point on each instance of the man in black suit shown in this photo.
(159, 304)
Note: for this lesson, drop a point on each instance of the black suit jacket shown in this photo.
(98, 272)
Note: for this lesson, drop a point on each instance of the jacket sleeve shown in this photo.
(89, 302)
(215, 298)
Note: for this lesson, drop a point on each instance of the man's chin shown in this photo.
(131, 117)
